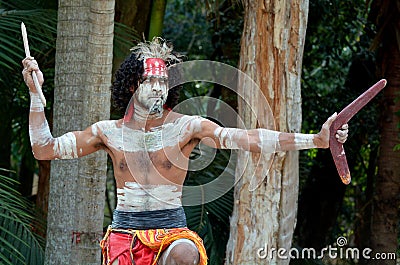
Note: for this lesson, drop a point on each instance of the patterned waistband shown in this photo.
(168, 218)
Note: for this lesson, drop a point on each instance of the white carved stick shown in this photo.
(28, 54)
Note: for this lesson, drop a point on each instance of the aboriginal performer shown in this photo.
(150, 147)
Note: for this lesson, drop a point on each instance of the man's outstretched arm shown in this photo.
(44, 145)
(264, 140)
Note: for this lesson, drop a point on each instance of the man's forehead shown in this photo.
(155, 67)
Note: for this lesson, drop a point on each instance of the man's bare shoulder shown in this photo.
(175, 117)
(104, 126)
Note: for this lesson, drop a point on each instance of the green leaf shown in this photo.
(19, 243)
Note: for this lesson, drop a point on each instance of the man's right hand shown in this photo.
(30, 65)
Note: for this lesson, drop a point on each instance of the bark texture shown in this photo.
(82, 96)
(271, 54)
(386, 201)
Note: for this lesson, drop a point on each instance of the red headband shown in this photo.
(155, 67)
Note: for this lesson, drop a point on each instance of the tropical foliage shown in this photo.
(337, 67)
(22, 227)
(21, 231)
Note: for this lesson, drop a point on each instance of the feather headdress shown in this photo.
(157, 48)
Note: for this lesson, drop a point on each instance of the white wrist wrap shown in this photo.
(304, 141)
(36, 103)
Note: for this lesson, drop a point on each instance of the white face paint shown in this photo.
(152, 94)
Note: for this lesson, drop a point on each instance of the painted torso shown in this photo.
(150, 160)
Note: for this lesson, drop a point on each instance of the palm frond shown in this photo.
(211, 220)
(124, 39)
(19, 243)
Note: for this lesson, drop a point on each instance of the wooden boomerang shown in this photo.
(337, 150)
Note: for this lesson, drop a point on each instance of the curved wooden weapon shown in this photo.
(337, 150)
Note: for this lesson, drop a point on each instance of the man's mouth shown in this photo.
(157, 97)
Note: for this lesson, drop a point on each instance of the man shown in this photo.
(150, 150)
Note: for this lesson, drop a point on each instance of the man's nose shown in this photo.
(156, 87)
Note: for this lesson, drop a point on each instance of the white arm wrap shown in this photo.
(36, 103)
(64, 147)
(304, 141)
(39, 131)
(232, 138)
(40, 134)
(226, 137)
(269, 141)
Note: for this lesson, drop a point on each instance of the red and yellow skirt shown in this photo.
(143, 247)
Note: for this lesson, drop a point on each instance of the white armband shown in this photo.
(269, 141)
(36, 103)
(40, 134)
(304, 141)
(65, 146)
(228, 137)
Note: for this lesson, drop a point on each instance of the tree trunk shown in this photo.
(42, 199)
(387, 188)
(134, 14)
(157, 18)
(271, 54)
(82, 96)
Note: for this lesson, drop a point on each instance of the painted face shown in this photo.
(152, 93)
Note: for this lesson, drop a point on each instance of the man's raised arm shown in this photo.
(44, 145)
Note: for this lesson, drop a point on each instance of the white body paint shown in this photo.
(40, 134)
(130, 140)
(64, 147)
(232, 138)
(135, 197)
(36, 103)
(269, 141)
(304, 141)
(229, 137)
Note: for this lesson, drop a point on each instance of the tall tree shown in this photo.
(157, 18)
(83, 75)
(384, 238)
(271, 53)
(134, 15)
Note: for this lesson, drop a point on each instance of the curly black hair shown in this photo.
(128, 78)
